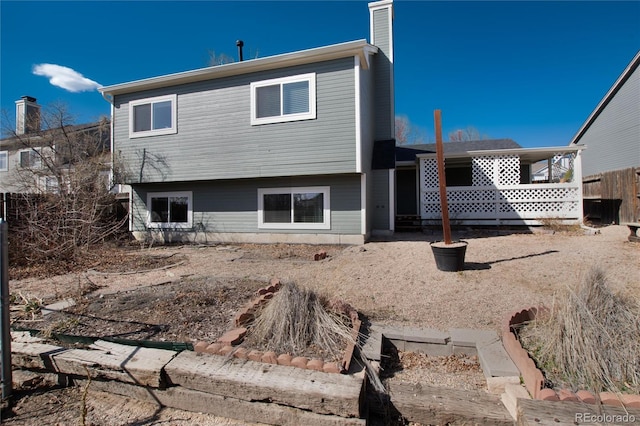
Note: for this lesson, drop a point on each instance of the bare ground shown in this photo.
(391, 282)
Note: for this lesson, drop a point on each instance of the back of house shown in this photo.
(275, 149)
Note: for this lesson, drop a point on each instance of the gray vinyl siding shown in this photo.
(366, 118)
(215, 138)
(613, 139)
(366, 137)
(232, 205)
(10, 179)
(383, 78)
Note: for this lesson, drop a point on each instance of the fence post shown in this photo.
(7, 378)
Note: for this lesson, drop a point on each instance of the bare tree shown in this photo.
(218, 58)
(60, 185)
(407, 133)
(223, 58)
(465, 135)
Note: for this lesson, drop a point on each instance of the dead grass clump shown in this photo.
(297, 319)
(556, 225)
(590, 340)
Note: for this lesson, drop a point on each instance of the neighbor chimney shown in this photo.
(27, 115)
(239, 43)
(381, 32)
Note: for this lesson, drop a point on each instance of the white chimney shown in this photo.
(27, 115)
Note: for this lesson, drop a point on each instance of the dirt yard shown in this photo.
(171, 290)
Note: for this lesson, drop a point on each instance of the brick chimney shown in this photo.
(381, 28)
(27, 115)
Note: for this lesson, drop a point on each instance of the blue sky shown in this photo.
(529, 71)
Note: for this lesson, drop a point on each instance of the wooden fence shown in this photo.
(612, 197)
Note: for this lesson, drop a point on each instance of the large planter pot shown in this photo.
(449, 257)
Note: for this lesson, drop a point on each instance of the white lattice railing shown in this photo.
(513, 203)
(496, 195)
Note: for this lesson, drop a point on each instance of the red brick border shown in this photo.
(532, 376)
(228, 342)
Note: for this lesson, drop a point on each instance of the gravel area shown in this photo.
(393, 282)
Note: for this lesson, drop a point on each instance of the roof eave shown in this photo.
(635, 62)
(358, 47)
(514, 151)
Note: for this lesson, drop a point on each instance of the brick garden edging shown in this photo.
(532, 376)
(228, 342)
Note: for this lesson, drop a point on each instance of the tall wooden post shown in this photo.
(444, 205)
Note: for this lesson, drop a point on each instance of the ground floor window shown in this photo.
(294, 208)
(169, 209)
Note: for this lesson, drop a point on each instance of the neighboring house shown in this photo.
(489, 182)
(560, 166)
(28, 158)
(287, 148)
(611, 164)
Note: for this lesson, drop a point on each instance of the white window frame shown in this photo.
(167, 131)
(326, 224)
(38, 156)
(171, 225)
(282, 118)
(5, 154)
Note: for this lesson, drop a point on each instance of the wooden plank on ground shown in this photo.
(540, 413)
(426, 404)
(34, 356)
(221, 406)
(322, 393)
(129, 364)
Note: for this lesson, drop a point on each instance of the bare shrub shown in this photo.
(296, 319)
(590, 339)
(61, 203)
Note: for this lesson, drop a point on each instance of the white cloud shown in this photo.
(65, 78)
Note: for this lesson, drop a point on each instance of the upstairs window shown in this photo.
(169, 210)
(30, 158)
(294, 208)
(4, 161)
(283, 99)
(153, 116)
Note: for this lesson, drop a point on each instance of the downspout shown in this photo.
(109, 99)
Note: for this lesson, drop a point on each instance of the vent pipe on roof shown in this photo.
(239, 43)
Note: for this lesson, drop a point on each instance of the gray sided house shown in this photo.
(611, 164)
(275, 149)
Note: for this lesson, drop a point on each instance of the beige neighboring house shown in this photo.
(23, 155)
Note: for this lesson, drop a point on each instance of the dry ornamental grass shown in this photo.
(297, 320)
(590, 339)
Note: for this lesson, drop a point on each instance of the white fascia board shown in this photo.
(516, 151)
(359, 47)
